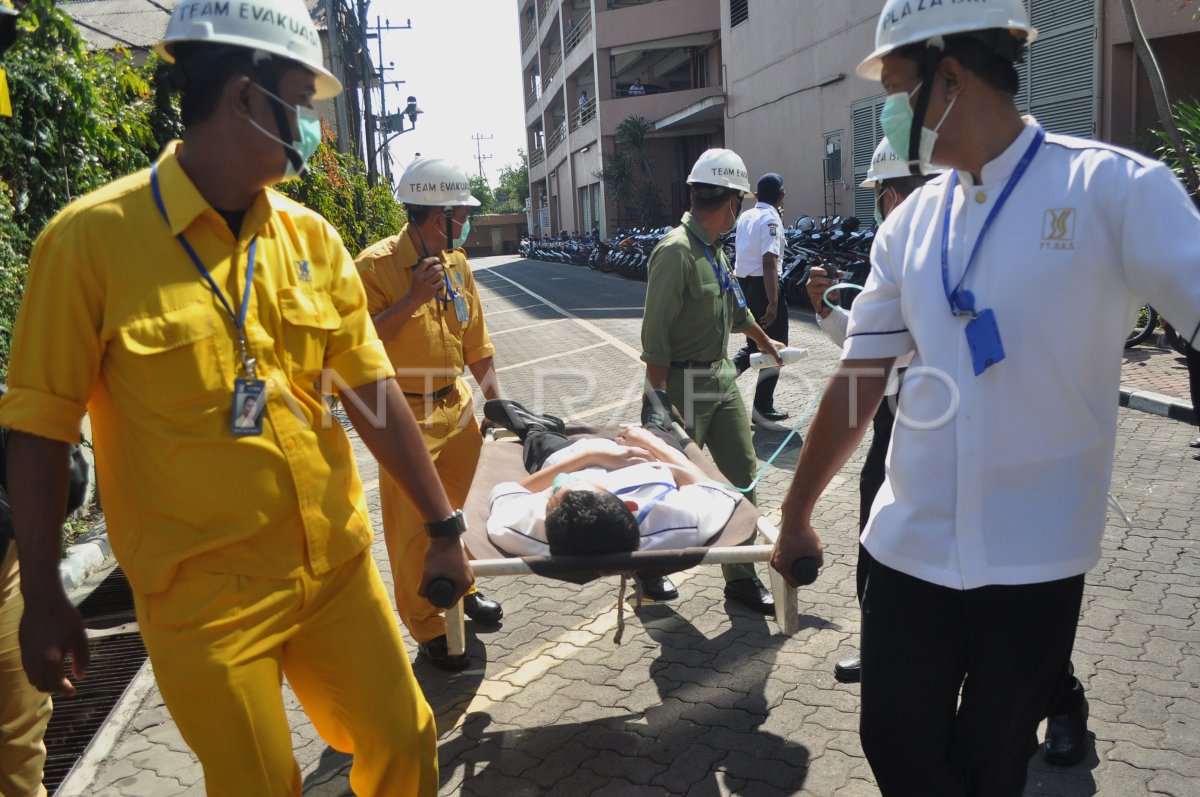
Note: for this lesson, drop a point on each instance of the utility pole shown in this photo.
(368, 113)
(381, 70)
(332, 15)
(479, 156)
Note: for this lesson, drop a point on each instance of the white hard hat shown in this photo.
(886, 166)
(279, 27)
(722, 168)
(7, 10)
(436, 182)
(905, 22)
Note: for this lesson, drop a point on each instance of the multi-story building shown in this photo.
(579, 60)
(795, 105)
(775, 81)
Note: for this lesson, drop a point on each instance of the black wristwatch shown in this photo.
(453, 526)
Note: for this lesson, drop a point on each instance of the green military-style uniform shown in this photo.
(691, 310)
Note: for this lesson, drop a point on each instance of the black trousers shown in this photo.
(1004, 647)
(756, 300)
(1193, 366)
(539, 444)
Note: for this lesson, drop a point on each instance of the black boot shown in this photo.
(513, 416)
(1066, 730)
(481, 609)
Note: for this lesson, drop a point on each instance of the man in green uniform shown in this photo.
(693, 303)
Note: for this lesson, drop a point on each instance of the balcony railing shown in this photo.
(544, 9)
(527, 37)
(537, 156)
(579, 32)
(530, 99)
(551, 68)
(556, 138)
(583, 114)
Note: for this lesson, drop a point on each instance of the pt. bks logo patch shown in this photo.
(1058, 229)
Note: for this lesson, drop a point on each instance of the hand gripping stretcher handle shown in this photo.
(804, 570)
(441, 593)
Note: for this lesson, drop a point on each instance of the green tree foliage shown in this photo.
(335, 186)
(79, 120)
(514, 186)
(483, 192)
(1187, 119)
(629, 173)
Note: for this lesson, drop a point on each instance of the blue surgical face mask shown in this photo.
(461, 238)
(896, 120)
(308, 127)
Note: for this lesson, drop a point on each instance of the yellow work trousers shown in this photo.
(453, 440)
(24, 711)
(221, 644)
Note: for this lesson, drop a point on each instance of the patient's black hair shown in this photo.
(591, 523)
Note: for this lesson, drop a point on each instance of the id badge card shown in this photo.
(461, 310)
(983, 338)
(249, 407)
(738, 296)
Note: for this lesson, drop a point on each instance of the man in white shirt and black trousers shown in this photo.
(995, 500)
(759, 257)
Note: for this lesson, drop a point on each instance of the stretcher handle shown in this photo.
(804, 570)
(441, 593)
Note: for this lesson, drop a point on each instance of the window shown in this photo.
(739, 12)
(1058, 76)
(867, 135)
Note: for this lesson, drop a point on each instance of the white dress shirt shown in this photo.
(678, 517)
(759, 231)
(1002, 478)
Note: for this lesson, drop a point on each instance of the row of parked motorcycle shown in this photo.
(832, 242)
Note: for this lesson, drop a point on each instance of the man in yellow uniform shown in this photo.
(153, 302)
(426, 308)
(24, 711)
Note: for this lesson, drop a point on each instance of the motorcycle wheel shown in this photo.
(1143, 327)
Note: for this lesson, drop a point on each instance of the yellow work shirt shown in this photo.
(432, 348)
(118, 321)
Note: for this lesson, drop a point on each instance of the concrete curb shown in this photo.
(1158, 404)
(85, 557)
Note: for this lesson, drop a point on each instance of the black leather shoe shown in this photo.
(1066, 734)
(849, 671)
(513, 415)
(481, 610)
(771, 414)
(438, 653)
(751, 593)
(657, 588)
(1195, 443)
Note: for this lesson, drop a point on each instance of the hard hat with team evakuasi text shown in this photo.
(722, 168)
(904, 22)
(886, 166)
(279, 27)
(436, 182)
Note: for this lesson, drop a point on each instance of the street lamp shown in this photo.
(393, 123)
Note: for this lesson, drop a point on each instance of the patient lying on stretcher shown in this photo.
(596, 496)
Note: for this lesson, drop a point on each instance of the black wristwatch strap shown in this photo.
(453, 526)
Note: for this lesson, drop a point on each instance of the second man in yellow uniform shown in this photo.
(426, 308)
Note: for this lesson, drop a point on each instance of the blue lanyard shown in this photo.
(653, 502)
(722, 275)
(239, 319)
(962, 302)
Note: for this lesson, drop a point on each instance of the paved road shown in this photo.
(703, 698)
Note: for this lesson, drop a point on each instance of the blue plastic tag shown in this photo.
(738, 296)
(983, 338)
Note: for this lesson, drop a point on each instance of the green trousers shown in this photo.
(715, 417)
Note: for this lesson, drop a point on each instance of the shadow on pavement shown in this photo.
(704, 733)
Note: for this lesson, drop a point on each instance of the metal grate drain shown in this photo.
(110, 604)
(115, 660)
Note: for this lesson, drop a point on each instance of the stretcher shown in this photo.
(501, 461)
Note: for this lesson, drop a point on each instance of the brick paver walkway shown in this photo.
(704, 698)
